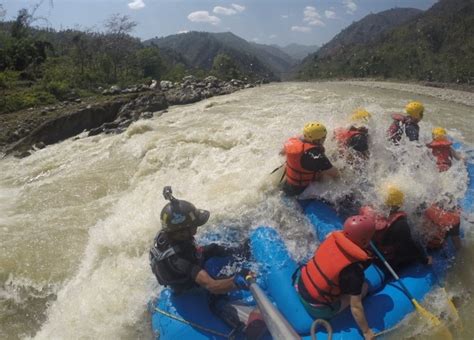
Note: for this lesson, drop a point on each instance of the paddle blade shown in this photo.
(427, 315)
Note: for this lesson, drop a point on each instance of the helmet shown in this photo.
(179, 214)
(360, 115)
(394, 197)
(314, 131)
(359, 229)
(438, 133)
(415, 110)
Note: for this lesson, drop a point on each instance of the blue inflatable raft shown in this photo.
(188, 316)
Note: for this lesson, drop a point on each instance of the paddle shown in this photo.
(278, 326)
(423, 312)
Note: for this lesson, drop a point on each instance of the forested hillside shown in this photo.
(437, 45)
(253, 60)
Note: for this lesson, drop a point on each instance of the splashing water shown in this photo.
(78, 218)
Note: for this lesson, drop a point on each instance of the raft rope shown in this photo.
(230, 336)
(325, 324)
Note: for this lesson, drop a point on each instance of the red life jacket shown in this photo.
(442, 151)
(395, 131)
(344, 135)
(443, 221)
(294, 172)
(320, 275)
(382, 224)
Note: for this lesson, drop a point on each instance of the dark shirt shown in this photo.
(351, 280)
(406, 250)
(359, 142)
(412, 130)
(314, 159)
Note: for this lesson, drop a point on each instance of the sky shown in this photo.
(263, 21)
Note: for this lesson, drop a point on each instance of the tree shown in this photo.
(3, 12)
(150, 63)
(225, 68)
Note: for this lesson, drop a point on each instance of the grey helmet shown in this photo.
(178, 215)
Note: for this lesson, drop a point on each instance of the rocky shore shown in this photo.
(110, 112)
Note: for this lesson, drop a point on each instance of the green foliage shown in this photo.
(150, 62)
(225, 68)
(175, 73)
(17, 100)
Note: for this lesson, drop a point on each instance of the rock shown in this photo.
(154, 84)
(146, 115)
(78, 100)
(166, 85)
(40, 145)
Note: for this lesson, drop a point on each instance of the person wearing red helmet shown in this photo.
(334, 278)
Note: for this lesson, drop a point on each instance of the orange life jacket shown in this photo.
(294, 172)
(443, 220)
(320, 275)
(442, 151)
(382, 224)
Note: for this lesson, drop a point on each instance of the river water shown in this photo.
(77, 218)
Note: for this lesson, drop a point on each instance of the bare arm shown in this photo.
(214, 286)
(358, 313)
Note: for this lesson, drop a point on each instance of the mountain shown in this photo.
(368, 29)
(297, 51)
(436, 45)
(200, 48)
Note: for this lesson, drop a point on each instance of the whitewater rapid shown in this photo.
(77, 218)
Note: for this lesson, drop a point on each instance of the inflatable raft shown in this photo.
(188, 316)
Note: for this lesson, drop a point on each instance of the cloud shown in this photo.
(136, 4)
(224, 10)
(330, 14)
(182, 31)
(312, 17)
(303, 29)
(203, 16)
(284, 16)
(238, 8)
(272, 36)
(350, 5)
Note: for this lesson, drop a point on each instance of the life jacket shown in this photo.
(443, 221)
(382, 224)
(344, 135)
(294, 172)
(165, 272)
(395, 130)
(320, 275)
(442, 151)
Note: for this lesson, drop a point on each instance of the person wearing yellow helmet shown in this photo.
(442, 149)
(355, 137)
(393, 233)
(406, 124)
(306, 161)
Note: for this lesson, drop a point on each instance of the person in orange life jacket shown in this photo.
(355, 137)
(406, 124)
(393, 235)
(442, 149)
(440, 220)
(334, 278)
(306, 160)
(178, 263)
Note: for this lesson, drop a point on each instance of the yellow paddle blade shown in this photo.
(443, 330)
(427, 315)
(453, 309)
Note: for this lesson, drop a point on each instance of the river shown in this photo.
(77, 218)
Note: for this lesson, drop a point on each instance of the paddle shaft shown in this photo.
(278, 326)
(389, 267)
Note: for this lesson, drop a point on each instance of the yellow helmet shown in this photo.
(438, 133)
(394, 196)
(360, 114)
(314, 131)
(415, 110)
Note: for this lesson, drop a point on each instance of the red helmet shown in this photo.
(360, 229)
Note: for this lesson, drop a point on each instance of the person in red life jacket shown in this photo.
(441, 222)
(355, 137)
(406, 124)
(306, 160)
(334, 278)
(393, 234)
(179, 263)
(442, 149)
